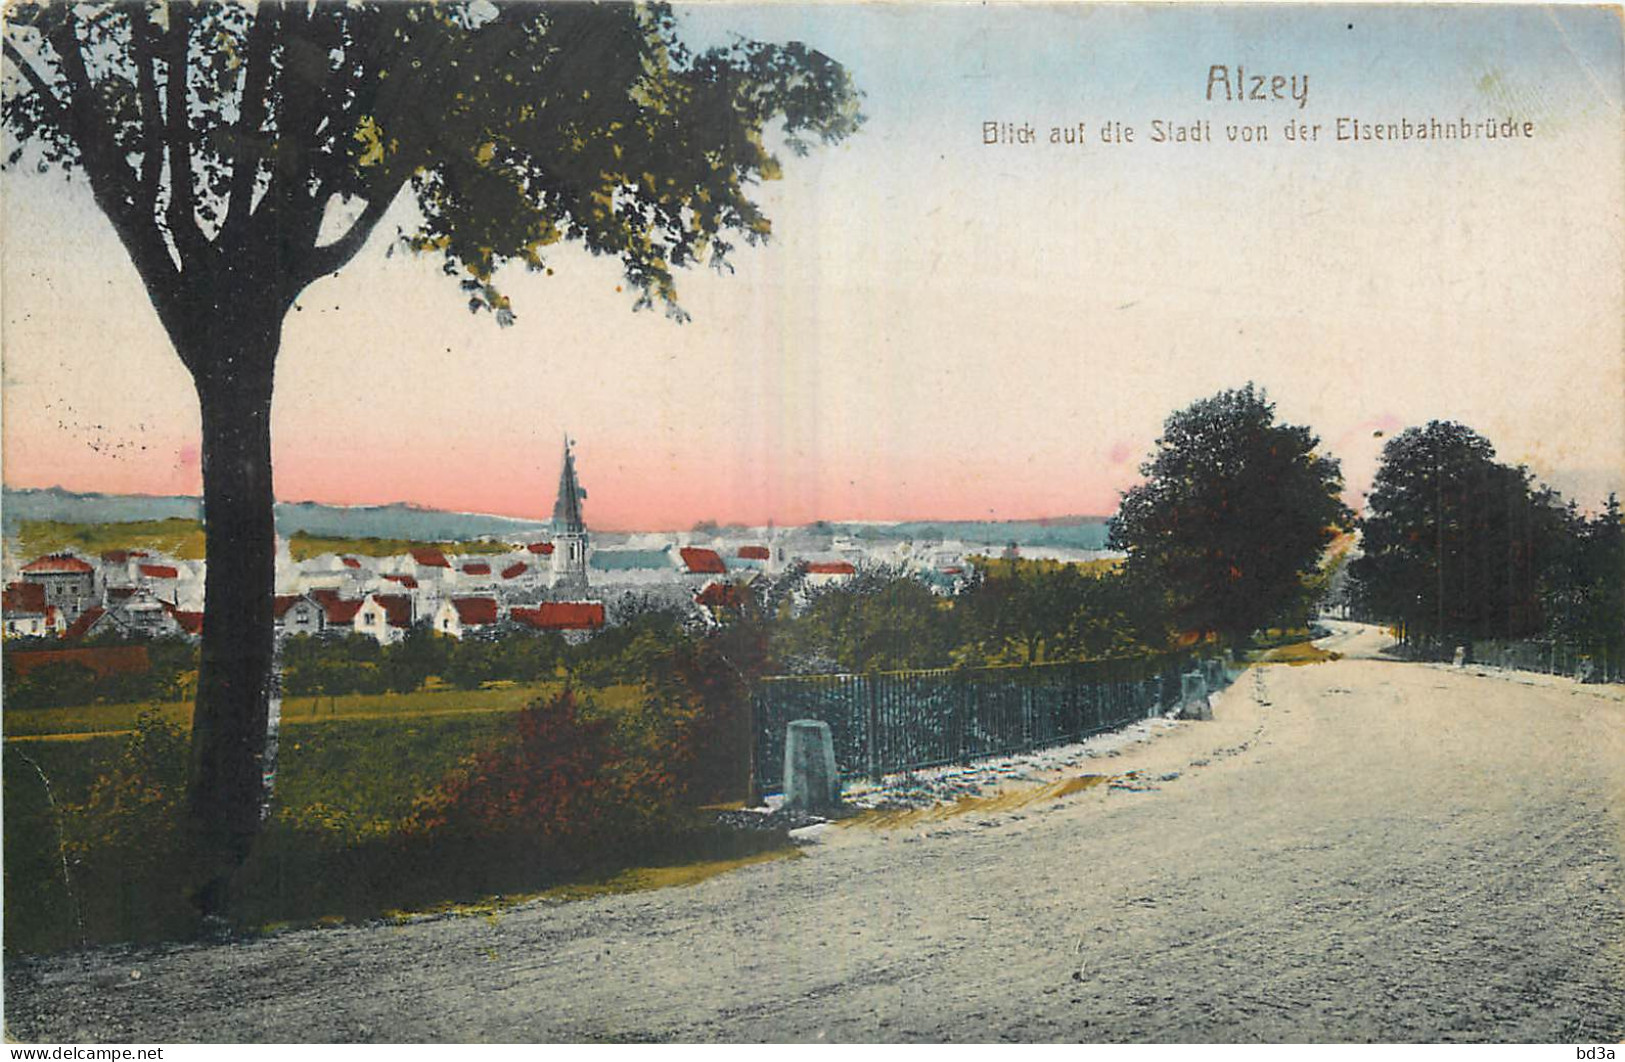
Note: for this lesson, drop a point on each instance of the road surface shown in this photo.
(1356, 850)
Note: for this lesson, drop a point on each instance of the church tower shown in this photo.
(569, 532)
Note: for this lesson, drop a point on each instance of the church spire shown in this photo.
(567, 509)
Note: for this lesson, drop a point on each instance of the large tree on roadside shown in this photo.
(1235, 512)
(222, 140)
(1453, 542)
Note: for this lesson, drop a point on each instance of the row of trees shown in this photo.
(1457, 546)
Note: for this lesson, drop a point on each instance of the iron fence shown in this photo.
(906, 720)
(1587, 663)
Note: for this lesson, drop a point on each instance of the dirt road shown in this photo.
(1357, 850)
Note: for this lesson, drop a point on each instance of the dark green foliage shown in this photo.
(69, 683)
(1234, 516)
(1453, 541)
(879, 620)
(1021, 612)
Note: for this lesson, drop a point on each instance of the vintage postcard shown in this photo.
(813, 522)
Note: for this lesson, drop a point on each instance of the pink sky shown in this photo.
(938, 330)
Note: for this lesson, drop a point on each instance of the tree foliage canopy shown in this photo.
(1235, 512)
(210, 131)
(1459, 545)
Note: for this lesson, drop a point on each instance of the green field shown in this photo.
(176, 537)
(78, 723)
(182, 538)
(304, 546)
(349, 767)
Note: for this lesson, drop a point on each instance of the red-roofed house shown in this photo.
(460, 615)
(822, 572)
(27, 615)
(350, 562)
(338, 613)
(755, 553)
(137, 615)
(298, 614)
(191, 623)
(161, 572)
(58, 564)
(69, 582)
(515, 570)
(476, 568)
(81, 626)
(576, 620)
(385, 617)
(429, 557)
(545, 549)
(697, 561)
(405, 580)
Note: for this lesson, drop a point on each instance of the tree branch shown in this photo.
(246, 151)
(332, 257)
(110, 178)
(183, 228)
(143, 37)
(58, 109)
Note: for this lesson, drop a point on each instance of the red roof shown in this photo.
(339, 610)
(702, 561)
(190, 622)
(430, 558)
(119, 593)
(544, 548)
(720, 595)
(107, 660)
(562, 616)
(830, 568)
(755, 553)
(476, 568)
(351, 562)
(515, 570)
(57, 564)
(397, 608)
(86, 620)
(282, 603)
(475, 611)
(405, 580)
(25, 597)
(160, 571)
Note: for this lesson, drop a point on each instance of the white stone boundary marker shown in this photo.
(1193, 702)
(811, 782)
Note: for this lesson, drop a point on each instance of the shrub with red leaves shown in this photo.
(563, 780)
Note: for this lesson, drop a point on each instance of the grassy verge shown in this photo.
(336, 848)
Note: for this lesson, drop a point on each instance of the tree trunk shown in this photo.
(234, 683)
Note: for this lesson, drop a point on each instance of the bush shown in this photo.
(562, 783)
(126, 844)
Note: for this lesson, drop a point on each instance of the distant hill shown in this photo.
(363, 521)
(1063, 532)
(401, 521)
